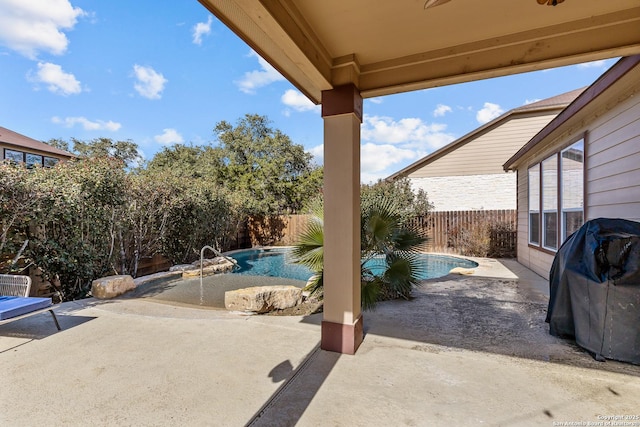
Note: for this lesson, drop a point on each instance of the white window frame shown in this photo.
(561, 232)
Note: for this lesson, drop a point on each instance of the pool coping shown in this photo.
(486, 266)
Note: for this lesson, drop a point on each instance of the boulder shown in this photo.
(183, 267)
(211, 261)
(263, 299)
(112, 286)
(208, 270)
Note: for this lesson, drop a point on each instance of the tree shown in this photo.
(272, 173)
(409, 203)
(390, 267)
(125, 151)
(71, 237)
(185, 161)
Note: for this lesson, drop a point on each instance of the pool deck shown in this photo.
(466, 351)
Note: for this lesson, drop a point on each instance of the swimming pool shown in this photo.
(259, 267)
(278, 262)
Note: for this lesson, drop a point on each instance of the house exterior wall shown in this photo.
(469, 192)
(612, 171)
(485, 154)
(30, 154)
(613, 159)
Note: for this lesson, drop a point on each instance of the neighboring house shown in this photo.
(19, 148)
(584, 164)
(467, 174)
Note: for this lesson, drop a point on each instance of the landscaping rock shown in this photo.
(211, 261)
(183, 267)
(263, 299)
(211, 269)
(112, 286)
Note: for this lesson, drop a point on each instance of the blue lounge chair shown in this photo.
(15, 302)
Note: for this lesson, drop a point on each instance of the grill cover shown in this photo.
(595, 289)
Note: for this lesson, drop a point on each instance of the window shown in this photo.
(572, 168)
(33, 160)
(550, 202)
(534, 204)
(556, 197)
(50, 162)
(14, 155)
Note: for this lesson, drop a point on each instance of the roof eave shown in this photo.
(604, 82)
(469, 136)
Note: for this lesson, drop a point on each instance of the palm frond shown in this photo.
(370, 293)
(309, 250)
(399, 276)
(408, 239)
(315, 285)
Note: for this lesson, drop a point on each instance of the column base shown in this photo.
(342, 338)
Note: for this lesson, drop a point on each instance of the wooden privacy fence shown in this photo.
(276, 230)
(482, 233)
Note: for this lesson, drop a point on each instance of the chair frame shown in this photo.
(20, 286)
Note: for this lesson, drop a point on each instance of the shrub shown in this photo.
(476, 240)
(88, 218)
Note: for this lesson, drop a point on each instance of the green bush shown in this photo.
(89, 218)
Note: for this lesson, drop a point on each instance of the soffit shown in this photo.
(616, 85)
(387, 47)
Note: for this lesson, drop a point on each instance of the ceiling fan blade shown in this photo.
(433, 3)
(550, 2)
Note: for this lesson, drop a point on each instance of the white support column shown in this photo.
(342, 330)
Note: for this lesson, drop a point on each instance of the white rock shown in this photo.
(262, 299)
(112, 286)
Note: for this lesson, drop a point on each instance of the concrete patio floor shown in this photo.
(466, 351)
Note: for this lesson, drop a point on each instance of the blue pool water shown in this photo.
(278, 262)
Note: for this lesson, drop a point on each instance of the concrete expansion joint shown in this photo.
(283, 388)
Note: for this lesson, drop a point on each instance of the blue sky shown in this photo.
(160, 73)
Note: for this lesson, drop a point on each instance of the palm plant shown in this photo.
(390, 266)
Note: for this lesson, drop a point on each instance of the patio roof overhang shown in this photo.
(396, 46)
(338, 52)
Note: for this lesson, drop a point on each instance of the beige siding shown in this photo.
(522, 226)
(612, 177)
(613, 161)
(534, 259)
(487, 153)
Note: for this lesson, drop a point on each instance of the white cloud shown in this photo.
(56, 79)
(201, 29)
(441, 110)
(531, 101)
(296, 100)
(405, 131)
(255, 79)
(593, 64)
(376, 100)
(318, 153)
(150, 83)
(87, 124)
(169, 136)
(375, 159)
(388, 144)
(489, 112)
(31, 26)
